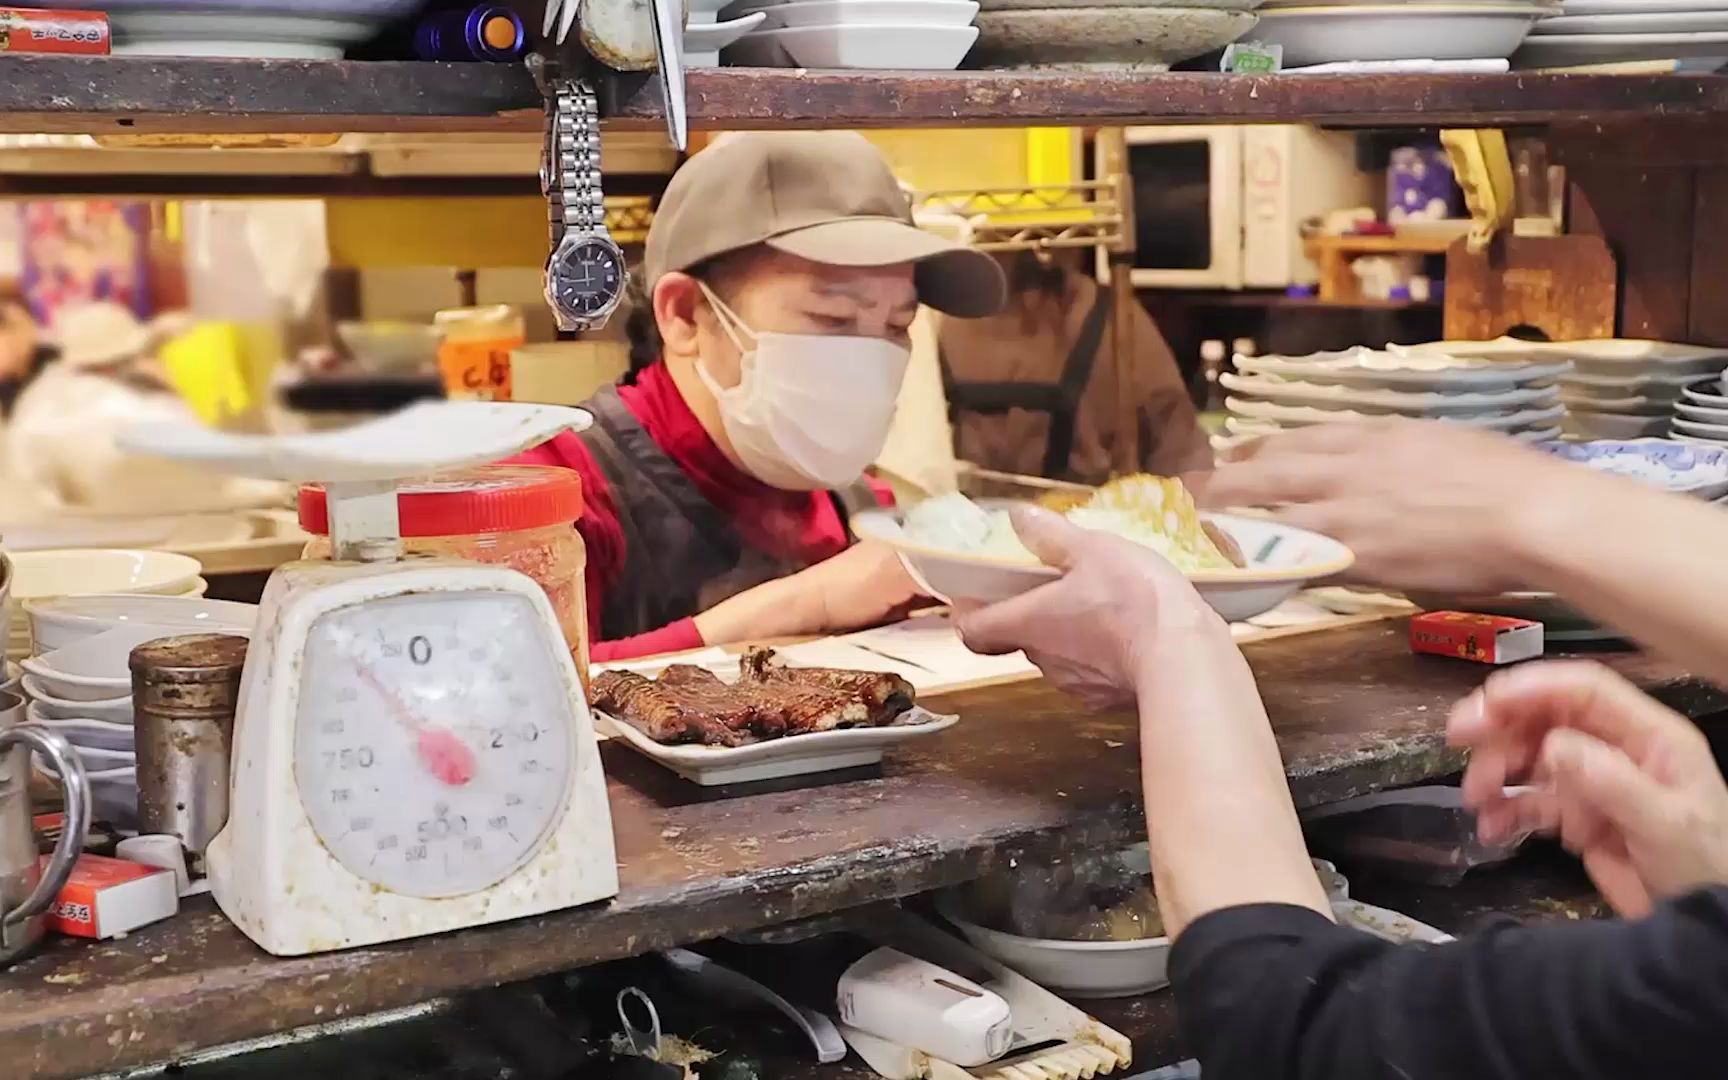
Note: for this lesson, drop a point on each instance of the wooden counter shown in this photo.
(1024, 774)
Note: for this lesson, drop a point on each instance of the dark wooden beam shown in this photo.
(107, 94)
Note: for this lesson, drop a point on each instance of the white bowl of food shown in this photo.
(877, 47)
(1115, 948)
(60, 622)
(960, 549)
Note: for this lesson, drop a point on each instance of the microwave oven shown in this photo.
(1221, 207)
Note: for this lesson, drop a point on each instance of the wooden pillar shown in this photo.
(1658, 194)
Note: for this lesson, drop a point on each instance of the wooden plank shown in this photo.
(1707, 317)
(1646, 217)
(108, 94)
(1563, 286)
(1026, 774)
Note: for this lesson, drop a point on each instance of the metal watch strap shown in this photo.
(573, 192)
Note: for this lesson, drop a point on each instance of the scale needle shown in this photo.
(442, 752)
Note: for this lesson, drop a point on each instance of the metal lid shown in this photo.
(190, 658)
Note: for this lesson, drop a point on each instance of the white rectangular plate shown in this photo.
(790, 755)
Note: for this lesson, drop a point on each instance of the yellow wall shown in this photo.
(511, 231)
(471, 233)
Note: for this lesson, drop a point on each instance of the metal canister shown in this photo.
(184, 692)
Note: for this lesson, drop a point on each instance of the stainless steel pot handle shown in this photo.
(75, 788)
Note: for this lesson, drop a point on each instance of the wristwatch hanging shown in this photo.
(585, 274)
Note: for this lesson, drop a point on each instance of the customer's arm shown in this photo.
(1269, 992)
(1438, 507)
(1123, 626)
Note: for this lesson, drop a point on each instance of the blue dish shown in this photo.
(1675, 466)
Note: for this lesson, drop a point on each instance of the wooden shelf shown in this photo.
(106, 94)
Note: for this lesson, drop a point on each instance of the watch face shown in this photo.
(587, 277)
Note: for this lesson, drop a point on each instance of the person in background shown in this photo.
(1057, 333)
(1267, 985)
(61, 453)
(23, 354)
(781, 276)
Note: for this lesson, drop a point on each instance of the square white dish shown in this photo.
(882, 47)
(1304, 415)
(1409, 369)
(790, 755)
(1388, 402)
(903, 13)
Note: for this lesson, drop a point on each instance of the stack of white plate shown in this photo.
(43, 575)
(1619, 388)
(1515, 395)
(1617, 31)
(928, 35)
(297, 29)
(1334, 31)
(80, 686)
(1701, 412)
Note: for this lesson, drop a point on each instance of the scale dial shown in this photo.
(432, 748)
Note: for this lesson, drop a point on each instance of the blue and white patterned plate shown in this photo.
(1675, 466)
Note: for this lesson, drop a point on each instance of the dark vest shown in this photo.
(681, 555)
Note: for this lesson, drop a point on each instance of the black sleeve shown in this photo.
(1270, 991)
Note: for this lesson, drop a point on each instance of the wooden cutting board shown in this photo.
(1563, 286)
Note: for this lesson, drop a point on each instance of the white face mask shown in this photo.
(810, 411)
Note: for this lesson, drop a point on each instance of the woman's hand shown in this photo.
(1424, 505)
(865, 585)
(1097, 629)
(1629, 785)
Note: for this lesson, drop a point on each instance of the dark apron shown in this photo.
(1060, 400)
(681, 554)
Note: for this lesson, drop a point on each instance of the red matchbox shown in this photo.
(1487, 639)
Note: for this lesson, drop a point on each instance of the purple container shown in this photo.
(489, 32)
(1420, 186)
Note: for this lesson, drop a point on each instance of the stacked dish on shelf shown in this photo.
(291, 29)
(1619, 31)
(909, 35)
(44, 575)
(1117, 35)
(1516, 395)
(1336, 31)
(79, 684)
(1701, 412)
(706, 33)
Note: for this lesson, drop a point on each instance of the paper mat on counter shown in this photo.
(931, 646)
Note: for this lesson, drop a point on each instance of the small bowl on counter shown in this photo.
(62, 621)
(117, 710)
(880, 47)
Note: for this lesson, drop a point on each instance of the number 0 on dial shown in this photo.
(433, 748)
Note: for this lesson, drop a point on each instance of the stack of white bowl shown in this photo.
(1701, 413)
(1617, 31)
(908, 35)
(1625, 389)
(1511, 394)
(80, 684)
(43, 575)
(1337, 31)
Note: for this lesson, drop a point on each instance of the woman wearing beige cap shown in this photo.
(783, 272)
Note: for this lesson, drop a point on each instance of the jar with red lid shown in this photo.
(520, 516)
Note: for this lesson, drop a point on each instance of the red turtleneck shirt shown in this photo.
(800, 526)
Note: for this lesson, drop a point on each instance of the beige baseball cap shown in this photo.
(827, 196)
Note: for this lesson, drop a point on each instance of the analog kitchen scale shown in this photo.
(413, 750)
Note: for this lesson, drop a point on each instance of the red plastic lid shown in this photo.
(486, 499)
